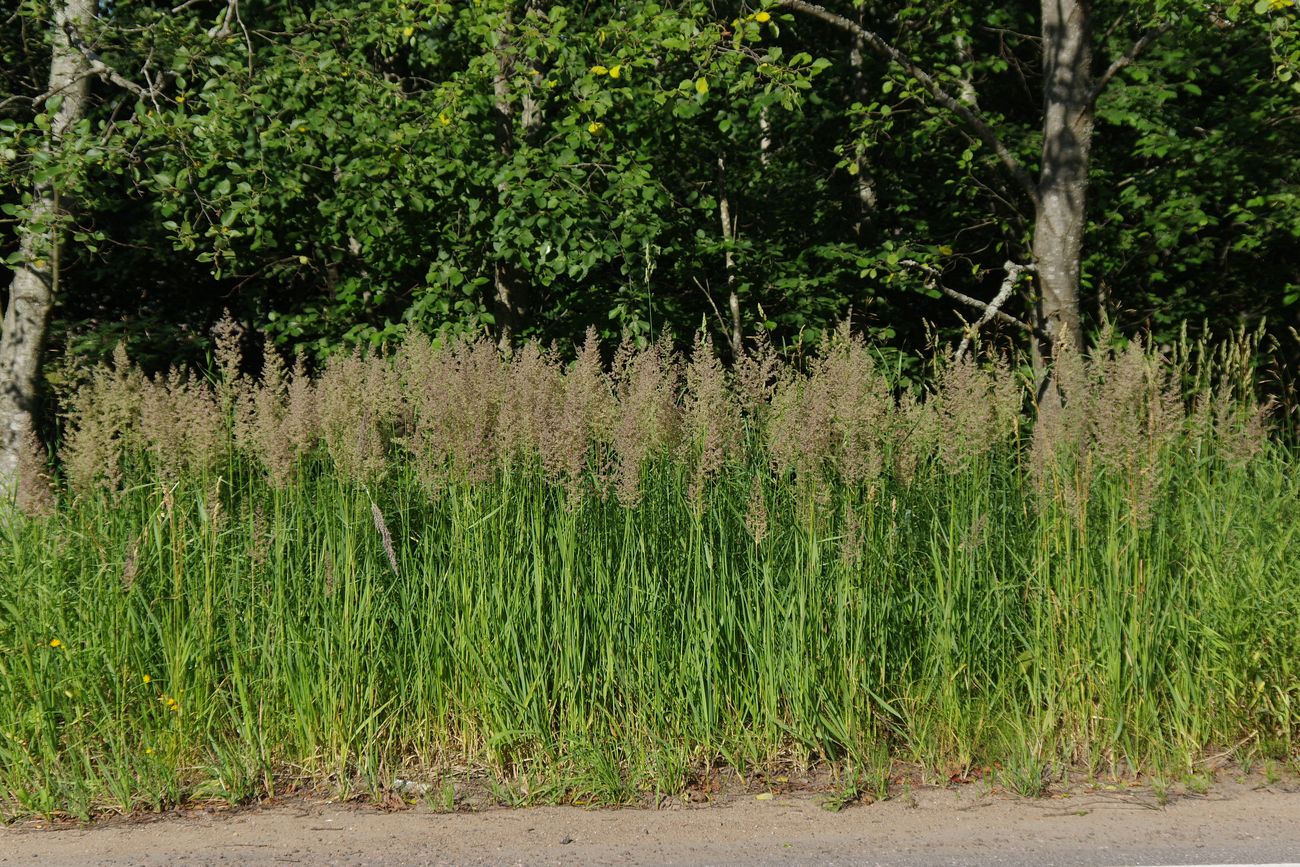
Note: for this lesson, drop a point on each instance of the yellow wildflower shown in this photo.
(180, 99)
(54, 642)
(407, 31)
(616, 70)
(444, 119)
(147, 679)
(762, 18)
(595, 127)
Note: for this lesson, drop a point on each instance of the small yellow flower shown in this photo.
(147, 679)
(616, 70)
(595, 127)
(148, 751)
(407, 31)
(599, 70)
(180, 99)
(444, 119)
(54, 642)
(762, 18)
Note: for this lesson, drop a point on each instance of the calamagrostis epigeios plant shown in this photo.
(977, 409)
(181, 424)
(103, 425)
(280, 422)
(575, 451)
(647, 419)
(836, 420)
(35, 495)
(359, 399)
(532, 405)
(455, 392)
(711, 422)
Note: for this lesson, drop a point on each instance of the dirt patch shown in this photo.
(1233, 822)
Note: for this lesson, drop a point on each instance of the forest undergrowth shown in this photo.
(587, 581)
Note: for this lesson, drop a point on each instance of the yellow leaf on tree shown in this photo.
(701, 85)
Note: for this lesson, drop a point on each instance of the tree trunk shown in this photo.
(866, 185)
(35, 280)
(1060, 218)
(729, 261)
(508, 283)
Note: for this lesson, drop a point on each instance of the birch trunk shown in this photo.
(729, 262)
(35, 280)
(1060, 217)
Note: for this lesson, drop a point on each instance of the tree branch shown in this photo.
(98, 67)
(983, 131)
(991, 311)
(1135, 50)
(1014, 270)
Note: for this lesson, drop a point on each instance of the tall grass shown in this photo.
(593, 581)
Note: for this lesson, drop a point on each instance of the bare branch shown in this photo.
(991, 312)
(1014, 270)
(1135, 50)
(968, 115)
(98, 67)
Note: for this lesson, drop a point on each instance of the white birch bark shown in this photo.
(35, 281)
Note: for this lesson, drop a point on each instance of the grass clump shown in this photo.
(590, 581)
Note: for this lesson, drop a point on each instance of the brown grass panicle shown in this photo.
(575, 450)
(277, 416)
(1134, 415)
(359, 397)
(532, 405)
(756, 375)
(647, 422)
(181, 424)
(835, 421)
(35, 496)
(454, 391)
(712, 431)
(103, 424)
(977, 409)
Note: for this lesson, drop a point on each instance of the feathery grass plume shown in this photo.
(914, 438)
(301, 421)
(381, 526)
(648, 417)
(35, 496)
(357, 402)
(1133, 416)
(103, 425)
(835, 422)
(711, 423)
(574, 450)
(455, 392)
(1240, 422)
(181, 424)
(1060, 438)
(234, 390)
(265, 437)
(531, 406)
(756, 374)
(977, 410)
